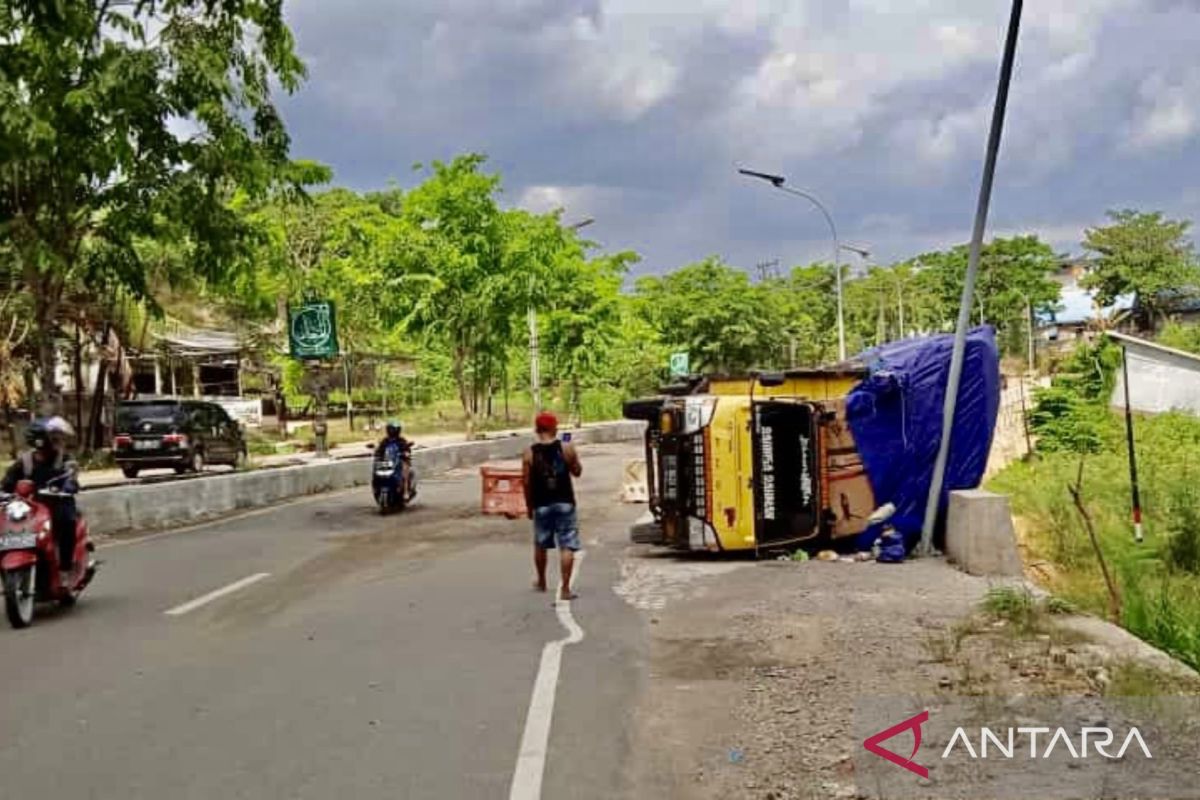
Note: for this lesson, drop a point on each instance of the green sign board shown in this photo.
(679, 365)
(312, 330)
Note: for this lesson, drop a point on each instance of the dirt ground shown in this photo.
(756, 667)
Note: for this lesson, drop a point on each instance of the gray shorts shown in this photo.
(556, 526)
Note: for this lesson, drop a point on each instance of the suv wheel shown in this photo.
(196, 464)
(130, 472)
(242, 463)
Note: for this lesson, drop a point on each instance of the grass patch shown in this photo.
(1019, 607)
(1158, 580)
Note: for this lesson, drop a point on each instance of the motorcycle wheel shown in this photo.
(384, 501)
(19, 589)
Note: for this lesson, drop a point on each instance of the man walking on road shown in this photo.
(547, 467)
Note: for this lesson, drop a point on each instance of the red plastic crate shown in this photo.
(503, 491)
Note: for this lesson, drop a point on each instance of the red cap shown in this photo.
(545, 421)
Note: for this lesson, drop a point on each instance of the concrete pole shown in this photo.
(933, 502)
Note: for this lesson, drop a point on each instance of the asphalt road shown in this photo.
(355, 657)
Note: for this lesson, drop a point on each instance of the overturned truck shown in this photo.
(772, 461)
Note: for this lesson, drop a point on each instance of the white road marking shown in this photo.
(531, 759)
(192, 605)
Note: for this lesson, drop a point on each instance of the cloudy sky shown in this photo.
(636, 112)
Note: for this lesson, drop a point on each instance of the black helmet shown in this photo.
(392, 428)
(37, 436)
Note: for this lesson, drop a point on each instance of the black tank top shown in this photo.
(549, 477)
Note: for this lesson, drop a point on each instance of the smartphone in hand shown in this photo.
(566, 437)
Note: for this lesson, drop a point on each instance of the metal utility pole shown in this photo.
(767, 269)
(778, 182)
(1133, 476)
(933, 502)
(1032, 355)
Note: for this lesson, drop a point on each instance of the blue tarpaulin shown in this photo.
(896, 417)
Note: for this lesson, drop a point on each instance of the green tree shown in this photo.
(470, 271)
(1014, 279)
(713, 311)
(583, 326)
(1143, 254)
(123, 122)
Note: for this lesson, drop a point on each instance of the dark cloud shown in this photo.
(636, 111)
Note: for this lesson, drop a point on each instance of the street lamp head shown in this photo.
(774, 180)
(581, 224)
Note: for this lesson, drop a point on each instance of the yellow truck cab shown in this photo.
(756, 462)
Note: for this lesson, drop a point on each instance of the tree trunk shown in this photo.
(576, 401)
(45, 313)
(78, 376)
(14, 449)
(507, 415)
(464, 394)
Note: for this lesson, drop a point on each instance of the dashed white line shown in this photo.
(203, 600)
(531, 759)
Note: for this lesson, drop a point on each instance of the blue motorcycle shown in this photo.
(391, 480)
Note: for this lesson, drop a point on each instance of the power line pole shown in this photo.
(767, 269)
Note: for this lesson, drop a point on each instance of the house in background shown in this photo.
(1160, 378)
(1078, 317)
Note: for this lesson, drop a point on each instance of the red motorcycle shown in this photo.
(29, 555)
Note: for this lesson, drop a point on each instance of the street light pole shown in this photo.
(778, 182)
(933, 502)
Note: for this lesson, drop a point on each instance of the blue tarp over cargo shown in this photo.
(896, 417)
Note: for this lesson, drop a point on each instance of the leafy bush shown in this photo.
(1180, 336)
(1183, 530)
(1065, 422)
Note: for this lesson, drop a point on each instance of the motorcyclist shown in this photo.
(47, 464)
(391, 437)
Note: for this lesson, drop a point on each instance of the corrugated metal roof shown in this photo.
(200, 342)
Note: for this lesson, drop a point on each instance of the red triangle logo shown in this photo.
(913, 724)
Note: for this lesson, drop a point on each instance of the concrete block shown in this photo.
(980, 538)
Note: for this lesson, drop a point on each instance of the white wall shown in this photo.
(1159, 381)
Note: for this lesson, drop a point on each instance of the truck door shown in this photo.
(787, 495)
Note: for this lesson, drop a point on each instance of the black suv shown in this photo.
(180, 434)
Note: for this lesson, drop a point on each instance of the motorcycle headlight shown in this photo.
(18, 510)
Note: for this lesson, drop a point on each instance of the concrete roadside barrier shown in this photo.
(150, 507)
(979, 534)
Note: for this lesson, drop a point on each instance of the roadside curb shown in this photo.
(151, 507)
